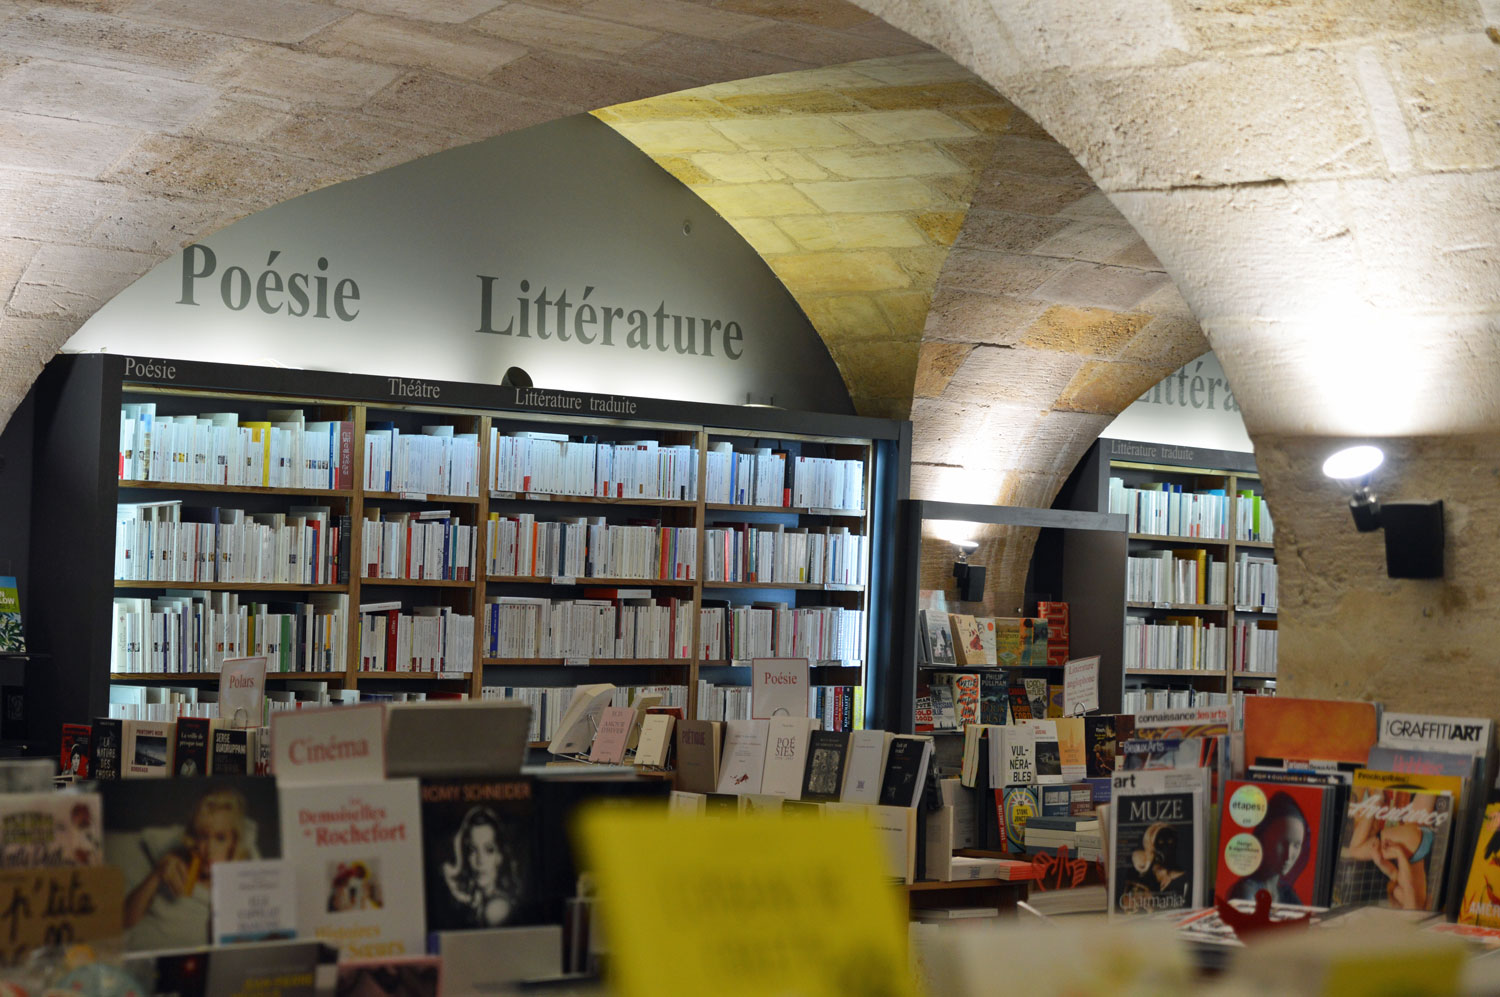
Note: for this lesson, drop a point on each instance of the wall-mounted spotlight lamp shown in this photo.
(515, 377)
(1413, 530)
(970, 577)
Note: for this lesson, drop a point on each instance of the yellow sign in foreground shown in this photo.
(757, 906)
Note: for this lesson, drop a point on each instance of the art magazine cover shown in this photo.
(1394, 844)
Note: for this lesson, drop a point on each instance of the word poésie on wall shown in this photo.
(300, 294)
(597, 323)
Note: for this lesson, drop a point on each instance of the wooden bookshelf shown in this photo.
(83, 395)
(1200, 471)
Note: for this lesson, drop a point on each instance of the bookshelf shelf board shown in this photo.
(232, 586)
(658, 583)
(192, 676)
(795, 509)
(1255, 676)
(1264, 544)
(748, 662)
(1201, 607)
(179, 486)
(1172, 538)
(1251, 610)
(419, 582)
(425, 676)
(797, 586)
(590, 500)
(1174, 672)
(422, 497)
(939, 667)
(563, 662)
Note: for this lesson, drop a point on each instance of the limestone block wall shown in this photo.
(1323, 182)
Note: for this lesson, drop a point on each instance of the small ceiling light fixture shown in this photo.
(1413, 530)
(970, 577)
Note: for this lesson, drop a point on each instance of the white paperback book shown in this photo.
(866, 766)
(357, 852)
(254, 900)
(744, 757)
(575, 732)
(328, 746)
(778, 688)
(656, 739)
(1012, 756)
(786, 756)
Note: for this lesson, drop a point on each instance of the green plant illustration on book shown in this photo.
(11, 638)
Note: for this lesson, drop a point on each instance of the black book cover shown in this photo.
(1099, 744)
(190, 757)
(346, 527)
(166, 836)
(1153, 845)
(903, 767)
(478, 853)
(13, 705)
(104, 748)
(1020, 706)
(994, 695)
(231, 751)
(823, 779)
(1048, 758)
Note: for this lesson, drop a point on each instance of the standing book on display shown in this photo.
(1396, 834)
(786, 756)
(477, 852)
(1278, 838)
(939, 638)
(823, 780)
(866, 766)
(1157, 826)
(744, 756)
(698, 747)
(905, 771)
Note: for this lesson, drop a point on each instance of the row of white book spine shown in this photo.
(764, 477)
(1254, 648)
(1255, 582)
(429, 639)
(436, 461)
(832, 556)
(732, 702)
(422, 549)
(1252, 519)
(549, 704)
(217, 448)
(1173, 646)
(1162, 577)
(267, 548)
(1146, 700)
(588, 548)
(519, 628)
(1171, 513)
(817, 633)
(194, 632)
(552, 464)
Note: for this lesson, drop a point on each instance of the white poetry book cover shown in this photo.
(866, 766)
(786, 757)
(254, 900)
(357, 852)
(744, 757)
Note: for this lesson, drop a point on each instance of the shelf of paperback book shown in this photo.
(1184, 607)
(234, 586)
(410, 676)
(1175, 673)
(423, 497)
(587, 662)
(183, 486)
(591, 500)
(786, 586)
(796, 510)
(1173, 538)
(210, 676)
(1265, 544)
(1255, 676)
(418, 582)
(564, 580)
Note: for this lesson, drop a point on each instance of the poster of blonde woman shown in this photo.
(167, 836)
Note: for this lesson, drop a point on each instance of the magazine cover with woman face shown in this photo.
(477, 852)
(1395, 841)
(1269, 839)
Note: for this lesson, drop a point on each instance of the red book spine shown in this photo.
(392, 624)
(346, 455)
